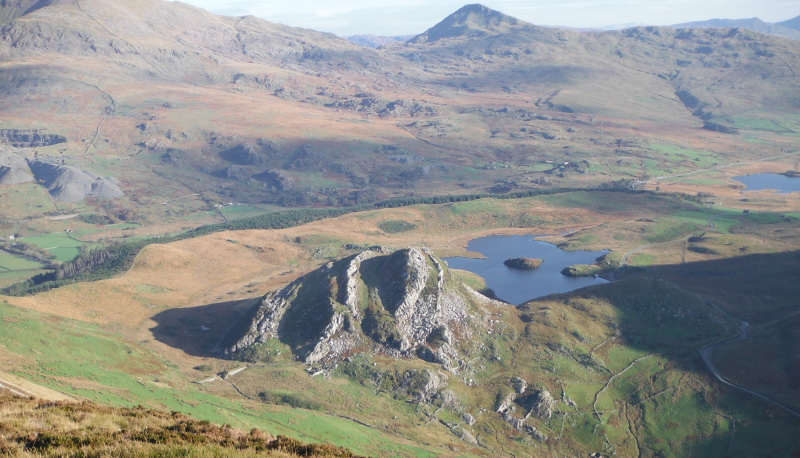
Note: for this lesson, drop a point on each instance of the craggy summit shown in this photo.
(401, 303)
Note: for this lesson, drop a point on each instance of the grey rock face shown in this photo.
(279, 179)
(267, 318)
(71, 184)
(543, 408)
(351, 291)
(520, 385)
(468, 419)
(504, 405)
(9, 175)
(397, 303)
(13, 168)
(29, 138)
(539, 404)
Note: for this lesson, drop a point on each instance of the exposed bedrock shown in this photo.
(400, 303)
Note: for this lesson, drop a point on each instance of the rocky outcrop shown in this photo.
(251, 153)
(399, 303)
(29, 138)
(9, 175)
(13, 169)
(407, 108)
(71, 184)
(541, 404)
(464, 435)
(537, 404)
(401, 108)
(279, 179)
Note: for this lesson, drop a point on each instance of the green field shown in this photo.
(58, 244)
(10, 262)
(8, 278)
(785, 124)
(103, 367)
(677, 154)
(65, 246)
(15, 268)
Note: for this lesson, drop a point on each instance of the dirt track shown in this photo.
(22, 387)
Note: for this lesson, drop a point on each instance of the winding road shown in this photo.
(707, 351)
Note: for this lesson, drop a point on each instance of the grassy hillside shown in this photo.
(105, 368)
(204, 121)
(621, 361)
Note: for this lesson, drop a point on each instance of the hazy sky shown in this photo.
(407, 17)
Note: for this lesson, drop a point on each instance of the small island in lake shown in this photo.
(523, 263)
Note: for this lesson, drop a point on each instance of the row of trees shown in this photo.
(101, 263)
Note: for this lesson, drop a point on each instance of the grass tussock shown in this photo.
(32, 427)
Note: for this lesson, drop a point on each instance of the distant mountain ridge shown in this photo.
(138, 72)
(376, 41)
(787, 29)
(476, 20)
(793, 23)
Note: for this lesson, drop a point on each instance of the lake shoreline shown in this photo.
(517, 286)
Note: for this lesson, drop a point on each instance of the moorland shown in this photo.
(169, 173)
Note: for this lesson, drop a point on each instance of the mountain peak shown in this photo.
(470, 21)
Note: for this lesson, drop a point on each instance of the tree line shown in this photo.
(105, 262)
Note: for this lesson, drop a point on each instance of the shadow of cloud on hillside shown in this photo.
(199, 331)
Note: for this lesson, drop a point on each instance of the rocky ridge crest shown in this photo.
(400, 303)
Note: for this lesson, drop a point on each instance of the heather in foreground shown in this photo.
(58, 428)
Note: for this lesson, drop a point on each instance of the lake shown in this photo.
(759, 181)
(519, 286)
